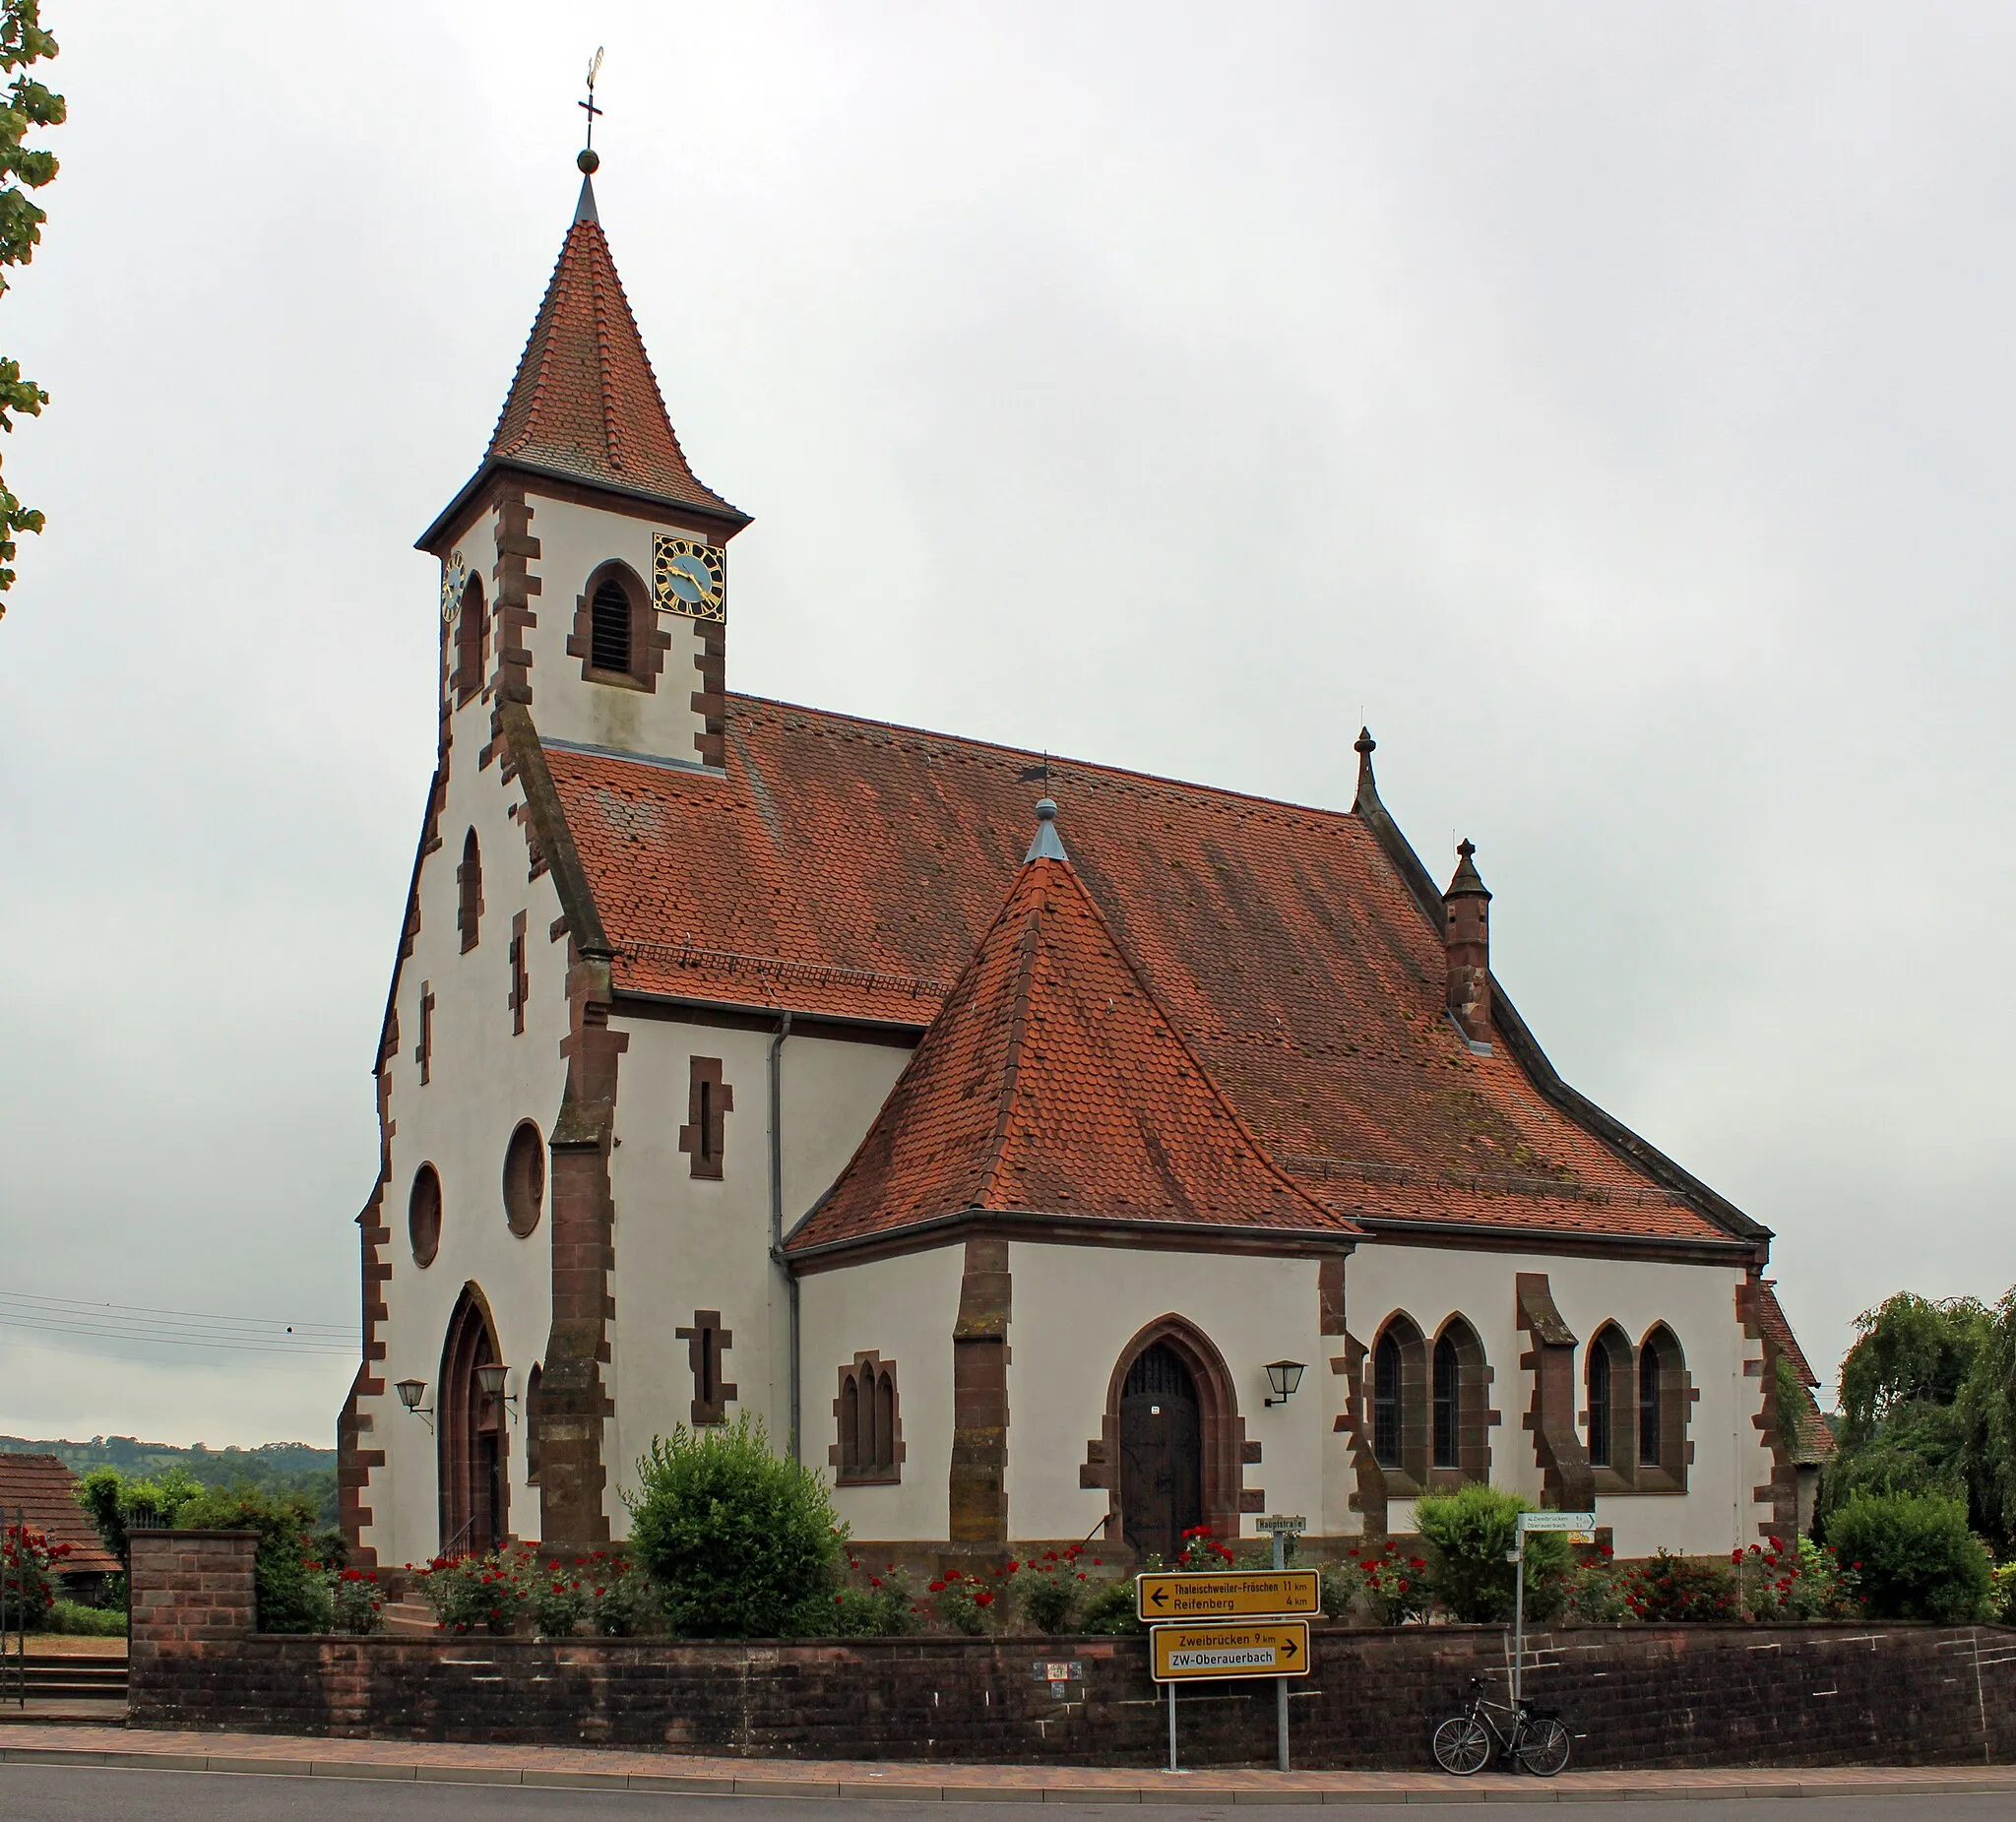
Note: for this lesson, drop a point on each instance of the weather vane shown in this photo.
(588, 162)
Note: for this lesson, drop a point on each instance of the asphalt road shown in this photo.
(84, 1793)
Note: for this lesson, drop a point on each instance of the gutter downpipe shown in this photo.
(783, 1031)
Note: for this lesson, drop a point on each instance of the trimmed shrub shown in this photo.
(741, 1544)
(1911, 1556)
(87, 1622)
(1471, 1532)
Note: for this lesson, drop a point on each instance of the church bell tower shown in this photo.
(583, 565)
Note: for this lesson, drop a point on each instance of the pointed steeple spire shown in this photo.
(585, 405)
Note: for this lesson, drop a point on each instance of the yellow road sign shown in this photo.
(1235, 1594)
(1230, 1648)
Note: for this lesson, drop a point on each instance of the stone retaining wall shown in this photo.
(1637, 1696)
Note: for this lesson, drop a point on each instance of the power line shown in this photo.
(144, 1337)
(66, 1304)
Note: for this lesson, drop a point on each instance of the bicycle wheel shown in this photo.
(1463, 1745)
(1544, 1749)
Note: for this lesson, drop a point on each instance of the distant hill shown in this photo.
(277, 1467)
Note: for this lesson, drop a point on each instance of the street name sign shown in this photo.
(1234, 1594)
(1181, 1654)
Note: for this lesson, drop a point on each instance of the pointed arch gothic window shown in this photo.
(471, 640)
(869, 1450)
(616, 632)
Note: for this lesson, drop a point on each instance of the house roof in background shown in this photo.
(45, 1491)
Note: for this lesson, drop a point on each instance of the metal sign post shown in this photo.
(1283, 1528)
(1580, 1528)
(1237, 1623)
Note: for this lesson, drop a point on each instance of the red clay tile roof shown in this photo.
(585, 404)
(849, 867)
(44, 1491)
(1772, 1320)
(1051, 1082)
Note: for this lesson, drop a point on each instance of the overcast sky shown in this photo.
(1612, 404)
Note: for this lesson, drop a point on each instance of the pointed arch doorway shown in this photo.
(1176, 1440)
(471, 1437)
(1162, 1454)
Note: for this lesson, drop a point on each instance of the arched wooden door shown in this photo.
(1162, 1454)
(469, 1428)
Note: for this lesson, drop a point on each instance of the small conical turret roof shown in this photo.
(1467, 882)
(1054, 1084)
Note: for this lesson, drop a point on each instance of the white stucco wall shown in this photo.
(483, 1081)
(685, 1243)
(1696, 1302)
(1076, 1308)
(574, 542)
(903, 1309)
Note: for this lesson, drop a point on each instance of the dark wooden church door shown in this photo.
(1161, 1455)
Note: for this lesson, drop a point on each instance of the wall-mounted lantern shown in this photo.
(1283, 1376)
(491, 1376)
(411, 1392)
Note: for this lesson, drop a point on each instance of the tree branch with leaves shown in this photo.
(30, 103)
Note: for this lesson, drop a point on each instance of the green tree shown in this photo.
(28, 104)
(1916, 1411)
(741, 1544)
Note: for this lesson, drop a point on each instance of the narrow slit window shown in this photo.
(1386, 1402)
(1600, 1405)
(1448, 1385)
(1648, 1406)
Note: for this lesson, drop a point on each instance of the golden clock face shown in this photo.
(454, 574)
(688, 576)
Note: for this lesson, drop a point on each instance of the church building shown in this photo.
(1041, 1150)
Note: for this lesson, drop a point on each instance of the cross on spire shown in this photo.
(588, 160)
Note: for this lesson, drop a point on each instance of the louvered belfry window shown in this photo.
(609, 627)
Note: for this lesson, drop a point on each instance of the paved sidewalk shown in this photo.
(593, 1767)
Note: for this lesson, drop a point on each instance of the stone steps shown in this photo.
(409, 1618)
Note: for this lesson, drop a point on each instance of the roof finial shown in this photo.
(1048, 844)
(1368, 791)
(588, 161)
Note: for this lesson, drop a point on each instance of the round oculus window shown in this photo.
(525, 1179)
(423, 1215)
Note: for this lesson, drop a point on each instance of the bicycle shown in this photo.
(1538, 1739)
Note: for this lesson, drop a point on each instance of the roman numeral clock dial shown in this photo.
(688, 576)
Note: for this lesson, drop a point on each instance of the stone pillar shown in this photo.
(189, 1590)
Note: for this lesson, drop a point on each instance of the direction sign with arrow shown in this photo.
(1234, 1594)
(1264, 1648)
